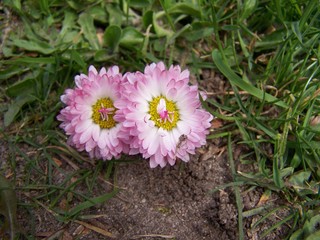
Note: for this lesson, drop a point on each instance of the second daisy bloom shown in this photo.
(161, 114)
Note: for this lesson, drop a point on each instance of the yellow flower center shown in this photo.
(103, 112)
(164, 113)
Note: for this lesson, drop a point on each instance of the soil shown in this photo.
(173, 202)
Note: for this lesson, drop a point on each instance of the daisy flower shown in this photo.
(88, 117)
(162, 115)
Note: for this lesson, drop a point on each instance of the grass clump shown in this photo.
(268, 52)
(277, 116)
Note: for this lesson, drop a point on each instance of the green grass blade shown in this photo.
(90, 203)
(277, 225)
(8, 206)
(236, 190)
(237, 81)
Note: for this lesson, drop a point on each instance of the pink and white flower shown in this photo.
(89, 115)
(161, 114)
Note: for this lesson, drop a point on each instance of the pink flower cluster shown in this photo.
(155, 113)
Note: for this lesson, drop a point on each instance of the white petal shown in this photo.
(172, 93)
(90, 145)
(194, 137)
(148, 137)
(102, 142)
(183, 128)
(164, 146)
(96, 132)
(82, 126)
(153, 163)
(159, 159)
(171, 161)
(154, 145)
(171, 142)
(144, 91)
(93, 70)
(85, 136)
(102, 71)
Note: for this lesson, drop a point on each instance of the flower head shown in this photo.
(161, 114)
(89, 115)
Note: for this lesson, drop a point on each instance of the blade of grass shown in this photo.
(70, 187)
(236, 190)
(8, 206)
(237, 81)
(95, 228)
(223, 186)
(90, 203)
(277, 225)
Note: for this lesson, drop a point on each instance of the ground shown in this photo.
(163, 203)
(179, 202)
(171, 203)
